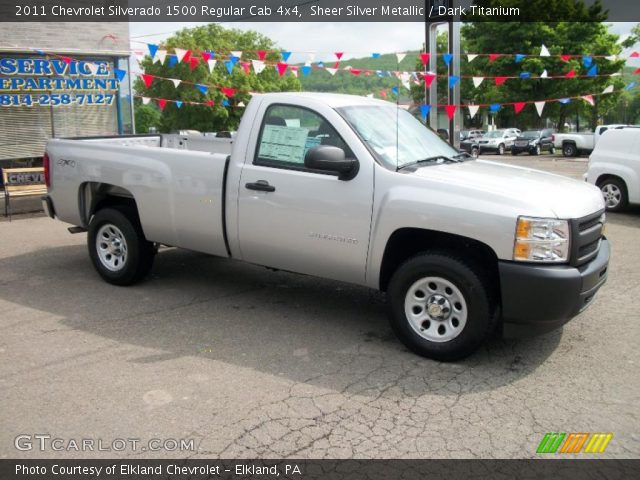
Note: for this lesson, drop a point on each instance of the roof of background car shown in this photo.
(334, 100)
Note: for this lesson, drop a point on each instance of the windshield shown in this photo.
(395, 136)
(531, 134)
(495, 134)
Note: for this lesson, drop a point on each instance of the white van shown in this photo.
(614, 166)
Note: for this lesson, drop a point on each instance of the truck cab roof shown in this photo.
(334, 100)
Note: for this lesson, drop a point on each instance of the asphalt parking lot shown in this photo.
(251, 363)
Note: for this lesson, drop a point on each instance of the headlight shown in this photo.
(541, 240)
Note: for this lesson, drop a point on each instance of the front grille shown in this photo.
(586, 236)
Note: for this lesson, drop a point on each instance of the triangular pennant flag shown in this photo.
(383, 93)
(237, 54)
(525, 75)
(495, 107)
(206, 56)
(493, 57)
(176, 82)
(162, 103)
(246, 66)
(425, 58)
(544, 51)
(179, 103)
(447, 57)
(355, 72)
(424, 110)
(473, 109)
(471, 57)
(395, 90)
(616, 74)
(631, 86)
(193, 62)
(500, 80)
(180, 53)
(160, 56)
(609, 89)
(634, 55)
(518, 106)
(339, 55)
(241, 104)
(519, 57)
(404, 78)
(637, 72)
(375, 55)
(453, 79)
(93, 68)
(587, 60)
(258, 66)
(67, 60)
(570, 74)
(210, 103)
(332, 71)
(588, 99)
(118, 73)
(282, 68)
(429, 78)
(564, 100)
(320, 64)
(261, 54)
(145, 100)
(611, 58)
(294, 71)
(152, 49)
(139, 55)
(229, 64)
(228, 91)
(211, 64)
(400, 56)
(477, 81)
(565, 57)
(593, 71)
(203, 88)
(173, 60)
(225, 103)
(306, 70)
(285, 56)
(544, 74)
(451, 110)
(539, 107)
(147, 79)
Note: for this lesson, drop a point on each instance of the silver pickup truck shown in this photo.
(351, 189)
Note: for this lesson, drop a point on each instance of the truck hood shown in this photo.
(564, 197)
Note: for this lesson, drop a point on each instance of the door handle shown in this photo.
(260, 185)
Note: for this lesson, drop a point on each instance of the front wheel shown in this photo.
(614, 192)
(536, 150)
(117, 246)
(439, 306)
(552, 150)
(501, 149)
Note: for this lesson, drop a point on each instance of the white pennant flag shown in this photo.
(616, 74)
(139, 56)
(471, 57)
(473, 109)
(539, 107)
(612, 58)
(477, 81)
(176, 82)
(588, 99)
(332, 71)
(370, 95)
(400, 56)
(258, 65)
(544, 51)
(294, 71)
(544, 74)
(211, 64)
(609, 89)
(160, 56)
(241, 104)
(236, 53)
(180, 53)
(145, 100)
(404, 78)
(93, 68)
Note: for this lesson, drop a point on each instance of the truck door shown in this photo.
(299, 220)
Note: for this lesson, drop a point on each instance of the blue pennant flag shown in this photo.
(395, 90)
(173, 60)
(320, 64)
(203, 88)
(152, 49)
(178, 104)
(229, 64)
(306, 70)
(525, 75)
(495, 107)
(380, 73)
(519, 57)
(285, 56)
(453, 79)
(587, 60)
(593, 71)
(225, 103)
(564, 101)
(212, 53)
(119, 74)
(447, 57)
(375, 55)
(424, 110)
(233, 59)
(631, 86)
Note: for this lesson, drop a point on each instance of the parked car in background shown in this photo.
(614, 167)
(470, 146)
(534, 142)
(574, 144)
(498, 141)
(470, 134)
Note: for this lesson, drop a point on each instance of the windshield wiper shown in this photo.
(433, 159)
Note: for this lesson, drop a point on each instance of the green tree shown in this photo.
(633, 38)
(147, 116)
(212, 37)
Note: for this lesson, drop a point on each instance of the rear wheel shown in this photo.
(475, 152)
(536, 150)
(117, 246)
(501, 149)
(439, 306)
(552, 150)
(614, 192)
(569, 150)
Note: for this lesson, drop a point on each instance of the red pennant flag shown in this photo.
(162, 103)
(147, 79)
(589, 99)
(339, 55)
(282, 67)
(634, 55)
(425, 58)
(262, 54)
(565, 58)
(570, 74)
(187, 56)
(246, 67)
(637, 72)
(493, 57)
(518, 106)
(355, 72)
(500, 80)
(383, 94)
(67, 60)
(211, 103)
(206, 56)
(428, 79)
(193, 62)
(229, 92)
(451, 110)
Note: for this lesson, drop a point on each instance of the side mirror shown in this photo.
(328, 158)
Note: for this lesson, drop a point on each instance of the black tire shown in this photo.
(569, 150)
(536, 150)
(514, 152)
(475, 152)
(480, 305)
(616, 190)
(552, 150)
(501, 149)
(139, 252)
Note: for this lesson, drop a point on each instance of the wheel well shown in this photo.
(607, 176)
(95, 196)
(407, 242)
(568, 142)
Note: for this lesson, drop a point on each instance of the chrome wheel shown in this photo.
(436, 309)
(612, 195)
(111, 247)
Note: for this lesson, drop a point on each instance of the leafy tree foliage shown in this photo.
(147, 116)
